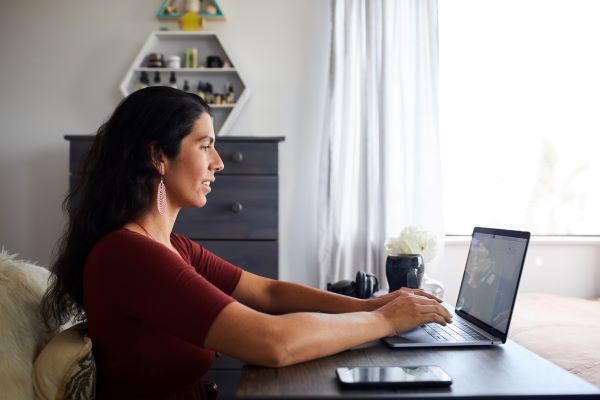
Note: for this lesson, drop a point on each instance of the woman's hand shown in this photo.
(407, 311)
(377, 302)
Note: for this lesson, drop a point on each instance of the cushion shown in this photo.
(22, 330)
(65, 368)
(564, 330)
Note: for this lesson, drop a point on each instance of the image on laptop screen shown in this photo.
(491, 278)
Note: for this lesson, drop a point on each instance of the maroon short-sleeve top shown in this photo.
(149, 311)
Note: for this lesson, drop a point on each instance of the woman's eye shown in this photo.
(205, 148)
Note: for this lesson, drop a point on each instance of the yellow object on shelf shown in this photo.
(174, 9)
(190, 22)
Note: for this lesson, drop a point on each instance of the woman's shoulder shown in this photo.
(120, 235)
(127, 250)
(121, 242)
(179, 238)
(184, 244)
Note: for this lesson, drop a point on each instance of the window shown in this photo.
(519, 101)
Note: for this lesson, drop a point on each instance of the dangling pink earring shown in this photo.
(161, 198)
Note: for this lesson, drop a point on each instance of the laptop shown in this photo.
(486, 298)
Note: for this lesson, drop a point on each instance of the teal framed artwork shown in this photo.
(173, 9)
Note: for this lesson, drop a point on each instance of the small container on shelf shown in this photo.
(214, 62)
(144, 81)
(201, 92)
(174, 62)
(230, 98)
(155, 60)
(157, 81)
(173, 80)
(208, 92)
(186, 86)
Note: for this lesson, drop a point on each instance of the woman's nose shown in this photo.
(217, 163)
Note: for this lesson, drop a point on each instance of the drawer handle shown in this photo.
(237, 207)
(237, 156)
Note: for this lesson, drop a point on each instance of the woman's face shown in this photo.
(188, 176)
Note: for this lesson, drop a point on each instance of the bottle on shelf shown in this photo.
(218, 98)
(190, 58)
(157, 81)
(186, 86)
(230, 98)
(201, 92)
(194, 58)
(173, 80)
(208, 92)
(144, 81)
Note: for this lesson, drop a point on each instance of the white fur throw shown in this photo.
(22, 331)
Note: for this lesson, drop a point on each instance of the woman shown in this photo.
(158, 305)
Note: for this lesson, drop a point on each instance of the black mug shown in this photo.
(404, 270)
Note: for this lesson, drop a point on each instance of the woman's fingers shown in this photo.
(409, 311)
(418, 292)
(421, 292)
(433, 317)
(436, 309)
(431, 306)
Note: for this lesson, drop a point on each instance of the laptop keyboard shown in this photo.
(457, 331)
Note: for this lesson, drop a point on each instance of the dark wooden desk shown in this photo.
(507, 371)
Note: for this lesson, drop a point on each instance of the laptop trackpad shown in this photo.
(417, 335)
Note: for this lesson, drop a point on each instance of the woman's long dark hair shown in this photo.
(116, 185)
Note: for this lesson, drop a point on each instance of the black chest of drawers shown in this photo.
(239, 222)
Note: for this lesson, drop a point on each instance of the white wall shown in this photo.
(60, 65)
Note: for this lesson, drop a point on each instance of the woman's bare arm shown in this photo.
(279, 340)
(279, 297)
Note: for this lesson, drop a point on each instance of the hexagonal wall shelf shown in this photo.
(175, 43)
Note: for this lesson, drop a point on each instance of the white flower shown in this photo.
(413, 240)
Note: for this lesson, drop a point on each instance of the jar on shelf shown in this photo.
(174, 62)
(214, 62)
(156, 60)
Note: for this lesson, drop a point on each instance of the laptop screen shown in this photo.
(491, 278)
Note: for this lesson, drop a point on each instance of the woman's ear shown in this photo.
(158, 157)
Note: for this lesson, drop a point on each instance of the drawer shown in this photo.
(258, 257)
(240, 158)
(244, 158)
(227, 381)
(239, 207)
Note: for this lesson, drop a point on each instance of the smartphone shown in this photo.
(393, 377)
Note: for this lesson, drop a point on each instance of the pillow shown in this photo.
(22, 330)
(65, 368)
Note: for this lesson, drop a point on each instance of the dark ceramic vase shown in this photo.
(404, 270)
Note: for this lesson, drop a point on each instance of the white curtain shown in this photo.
(380, 165)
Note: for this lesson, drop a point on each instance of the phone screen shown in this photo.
(430, 375)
